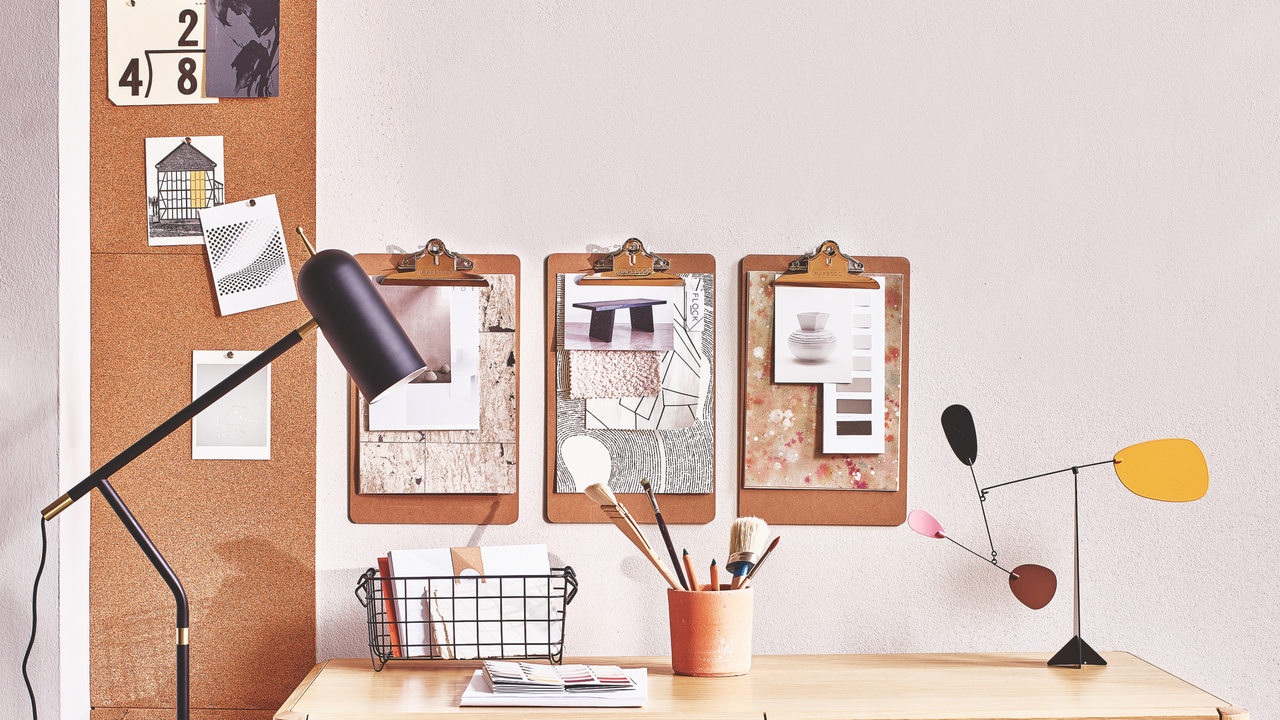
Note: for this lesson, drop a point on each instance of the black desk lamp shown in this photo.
(362, 332)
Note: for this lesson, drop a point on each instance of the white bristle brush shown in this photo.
(746, 541)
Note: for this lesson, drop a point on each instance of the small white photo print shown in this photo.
(238, 425)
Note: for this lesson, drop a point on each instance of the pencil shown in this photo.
(688, 569)
(715, 576)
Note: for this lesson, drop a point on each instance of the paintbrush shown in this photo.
(746, 540)
(760, 563)
(608, 502)
(666, 536)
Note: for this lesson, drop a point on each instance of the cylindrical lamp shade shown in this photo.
(357, 323)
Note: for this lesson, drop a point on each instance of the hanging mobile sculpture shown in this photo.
(1172, 470)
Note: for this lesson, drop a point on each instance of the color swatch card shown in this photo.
(155, 52)
(247, 254)
(244, 48)
(853, 413)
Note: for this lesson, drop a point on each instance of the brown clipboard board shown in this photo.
(823, 507)
(575, 507)
(435, 508)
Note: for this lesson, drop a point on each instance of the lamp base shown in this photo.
(1076, 653)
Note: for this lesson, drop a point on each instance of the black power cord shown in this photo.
(35, 591)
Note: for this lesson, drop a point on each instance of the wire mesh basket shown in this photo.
(467, 616)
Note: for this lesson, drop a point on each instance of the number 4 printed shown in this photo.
(155, 52)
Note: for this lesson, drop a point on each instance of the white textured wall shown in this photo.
(28, 344)
(1087, 193)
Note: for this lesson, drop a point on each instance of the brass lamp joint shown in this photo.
(56, 507)
(182, 636)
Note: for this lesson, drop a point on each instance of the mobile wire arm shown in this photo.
(1076, 652)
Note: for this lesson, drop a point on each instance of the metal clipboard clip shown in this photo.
(424, 268)
(631, 265)
(820, 269)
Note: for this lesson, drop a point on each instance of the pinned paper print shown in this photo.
(156, 52)
(184, 176)
(247, 255)
(238, 425)
(243, 58)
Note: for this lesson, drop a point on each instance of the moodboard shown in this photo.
(448, 475)
(665, 432)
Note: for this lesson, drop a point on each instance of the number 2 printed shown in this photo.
(172, 53)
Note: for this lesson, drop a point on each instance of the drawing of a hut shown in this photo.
(186, 180)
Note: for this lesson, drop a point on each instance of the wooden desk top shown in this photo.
(787, 687)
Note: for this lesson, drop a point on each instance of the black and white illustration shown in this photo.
(238, 425)
(684, 374)
(678, 460)
(813, 341)
(184, 176)
(243, 58)
(617, 317)
(247, 254)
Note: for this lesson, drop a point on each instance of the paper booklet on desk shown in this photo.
(485, 617)
(480, 693)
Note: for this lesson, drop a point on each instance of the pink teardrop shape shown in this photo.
(923, 523)
(1034, 585)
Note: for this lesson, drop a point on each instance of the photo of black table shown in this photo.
(602, 315)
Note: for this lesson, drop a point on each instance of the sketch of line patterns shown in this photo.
(684, 372)
(254, 248)
(675, 461)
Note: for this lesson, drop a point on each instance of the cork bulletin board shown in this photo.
(493, 450)
(239, 533)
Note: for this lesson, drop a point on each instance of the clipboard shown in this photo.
(435, 265)
(618, 268)
(787, 506)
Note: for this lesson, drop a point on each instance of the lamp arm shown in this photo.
(179, 419)
(1073, 468)
(99, 480)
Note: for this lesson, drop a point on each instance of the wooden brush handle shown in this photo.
(608, 502)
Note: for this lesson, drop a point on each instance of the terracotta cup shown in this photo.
(710, 632)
